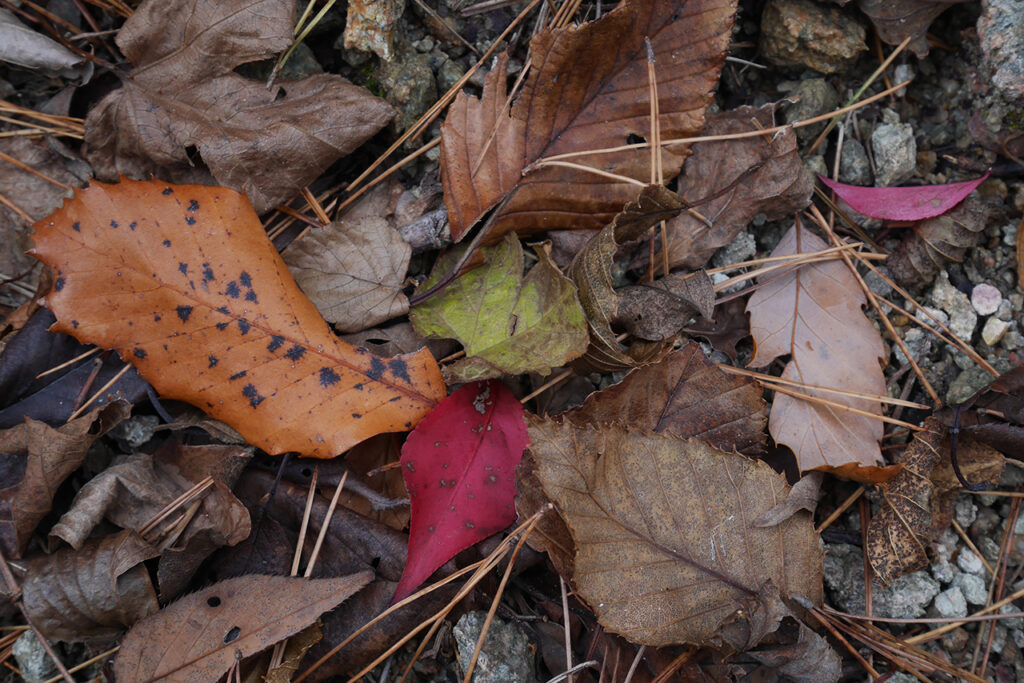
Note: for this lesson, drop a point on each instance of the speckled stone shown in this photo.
(993, 331)
(985, 298)
(950, 603)
(505, 657)
(1001, 34)
(962, 318)
(973, 588)
(811, 34)
(895, 153)
(969, 562)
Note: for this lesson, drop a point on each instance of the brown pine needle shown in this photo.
(304, 527)
(28, 169)
(787, 258)
(970, 544)
(849, 409)
(321, 215)
(590, 169)
(770, 379)
(324, 526)
(169, 509)
(81, 356)
(94, 397)
(794, 260)
(395, 167)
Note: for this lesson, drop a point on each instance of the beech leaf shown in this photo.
(183, 282)
(354, 271)
(509, 324)
(903, 203)
(666, 549)
(813, 313)
(199, 637)
(183, 92)
(587, 90)
(459, 466)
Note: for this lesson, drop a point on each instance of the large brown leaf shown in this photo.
(184, 283)
(199, 637)
(35, 461)
(183, 92)
(95, 592)
(813, 313)
(776, 184)
(587, 89)
(666, 551)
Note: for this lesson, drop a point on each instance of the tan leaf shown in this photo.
(587, 89)
(183, 92)
(198, 637)
(657, 310)
(813, 312)
(40, 458)
(666, 552)
(899, 534)
(777, 184)
(898, 19)
(979, 463)
(353, 271)
(95, 592)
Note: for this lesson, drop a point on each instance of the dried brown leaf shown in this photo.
(803, 496)
(666, 549)
(587, 89)
(398, 339)
(729, 327)
(898, 535)
(656, 311)
(995, 414)
(935, 241)
(183, 92)
(813, 313)
(979, 463)
(199, 637)
(896, 20)
(366, 461)
(95, 592)
(353, 271)
(777, 184)
(36, 460)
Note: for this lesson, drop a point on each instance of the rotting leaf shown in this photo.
(95, 592)
(183, 92)
(935, 241)
(903, 203)
(591, 270)
(899, 534)
(896, 20)
(586, 90)
(813, 313)
(776, 184)
(657, 310)
(199, 636)
(508, 323)
(666, 552)
(183, 282)
(353, 270)
(34, 460)
(728, 329)
(459, 465)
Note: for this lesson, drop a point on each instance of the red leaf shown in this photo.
(903, 203)
(459, 465)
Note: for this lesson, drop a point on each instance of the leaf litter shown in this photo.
(665, 466)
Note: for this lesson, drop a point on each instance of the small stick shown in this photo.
(850, 500)
(81, 356)
(168, 509)
(321, 215)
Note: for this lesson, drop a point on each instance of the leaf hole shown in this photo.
(213, 601)
(281, 94)
(634, 139)
(375, 562)
(232, 634)
(307, 472)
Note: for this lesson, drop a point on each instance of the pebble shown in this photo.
(944, 571)
(34, 662)
(805, 33)
(408, 83)
(950, 603)
(973, 588)
(1001, 34)
(814, 96)
(506, 655)
(918, 342)
(994, 330)
(986, 299)
(962, 318)
(371, 26)
(853, 164)
(895, 153)
(969, 562)
(965, 511)
(742, 247)
(908, 596)
(967, 384)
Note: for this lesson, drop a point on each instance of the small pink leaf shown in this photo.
(903, 203)
(459, 465)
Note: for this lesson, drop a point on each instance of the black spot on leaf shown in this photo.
(237, 375)
(157, 318)
(376, 369)
(193, 205)
(250, 392)
(139, 353)
(245, 280)
(183, 267)
(167, 191)
(113, 224)
(190, 220)
(221, 326)
(328, 377)
(167, 243)
(74, 324)
(213, 360)
(132, 225)
(76, 226)
(399, 369)
(59, 284)
(243, 326)
(275, 343)
(233, 291)
(357, 416)
(207, 272)
(358, 387)
(295, 352)
(184, 312)
(251, 296)
(224, 310)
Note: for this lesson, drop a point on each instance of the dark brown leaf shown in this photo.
(777, 184)
(729, 327)
(199, 637)
(95, 592)
(896, 20)
(899, 534)
(656, 311)
(587, 89)
(995, 414)
(183, 92)
(980, 464)
(35, 460)
(935, 241)
(666, 552)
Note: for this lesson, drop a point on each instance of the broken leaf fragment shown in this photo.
(508, 323)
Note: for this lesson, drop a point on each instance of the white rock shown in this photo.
(962, 318)
(985, 298)
(951, 603)
(969, 562)
(994, 330)
(973, 588)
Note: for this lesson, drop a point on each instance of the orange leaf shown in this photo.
(183, 282)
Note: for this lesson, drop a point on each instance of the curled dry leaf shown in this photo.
(935, 241)
(508, 323)
(899, 534)
(183, 92)
(979, 463)
(459, 466)
(587, 90)
(657, 310)
(591, 270)
(95, 592)
(903, 203)
(813, 313)
(666, 552)
(183, 282)
(803, 496)
(766, 175)
(35, 461)
(199, 637)
(353, 270)
(896, 20)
